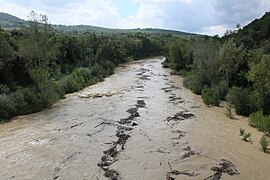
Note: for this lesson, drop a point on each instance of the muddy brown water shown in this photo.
(140, 123)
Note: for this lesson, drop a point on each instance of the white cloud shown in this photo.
(8, 6)
(148, 15)
(214, 30)
(93, 12)
(208, 16)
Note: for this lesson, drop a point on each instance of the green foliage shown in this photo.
(214, 94)
(254, 34)
(229, 111)
(78, 79)
(27, 100)
(259, 73)
(222, 88)
(113, 51)
(39, 65)
(245, 101)
(7, 106)
(247, 137)
(195, 82)
(2, 121)
(211, 96)
(230, 59)
(264, 143)
(231, 62)
(242, 132)
(260, 121)
(176, 55)
(7, 57)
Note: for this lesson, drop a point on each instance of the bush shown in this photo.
(245, 101)
(195, 82)
(22, 101)
(264, 143)
(229, 111)
(4, 89)
(260, 121)
(247, 137)
(242, 132)
(222, 88)
(211, 96)
(51, 94)
(108, 67)
(7, 106)
(80, 78)
(76, 80)
(25, 99)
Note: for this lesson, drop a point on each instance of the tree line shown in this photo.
(234, 68)
(38, 64)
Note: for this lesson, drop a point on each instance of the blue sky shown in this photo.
(126, 8)
(198, 16)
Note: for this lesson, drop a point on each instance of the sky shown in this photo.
(211, 17)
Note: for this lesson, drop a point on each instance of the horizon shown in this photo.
(211, 17)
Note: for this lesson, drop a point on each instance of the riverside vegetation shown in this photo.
(234, 68)
(38, 64)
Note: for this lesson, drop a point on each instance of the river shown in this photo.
(138, 124)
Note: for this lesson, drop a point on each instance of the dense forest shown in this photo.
(38, 64)
(234, 68)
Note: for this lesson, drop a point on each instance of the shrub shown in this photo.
(51, 94)
(229, 111)
(76, 80)
(195, 82)
(22, 101)
(211, 96)
(245, 101)
(260, 121)
(247, 137)
(22, 97)
(242, 132)
(7, 106)
(4, 89)
(264, 143)
(108, 67)
(2, 121)
(80, 78)
(222, 88)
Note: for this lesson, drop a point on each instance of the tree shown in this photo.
(230, 59)
(111, 50)
(7, 56)
(37, 52)
(176, 55)
(259, 73)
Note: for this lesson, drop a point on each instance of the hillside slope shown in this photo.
(8, 21)
(256, 34)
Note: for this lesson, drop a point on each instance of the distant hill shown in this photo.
(88, 28)
(8, 21)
